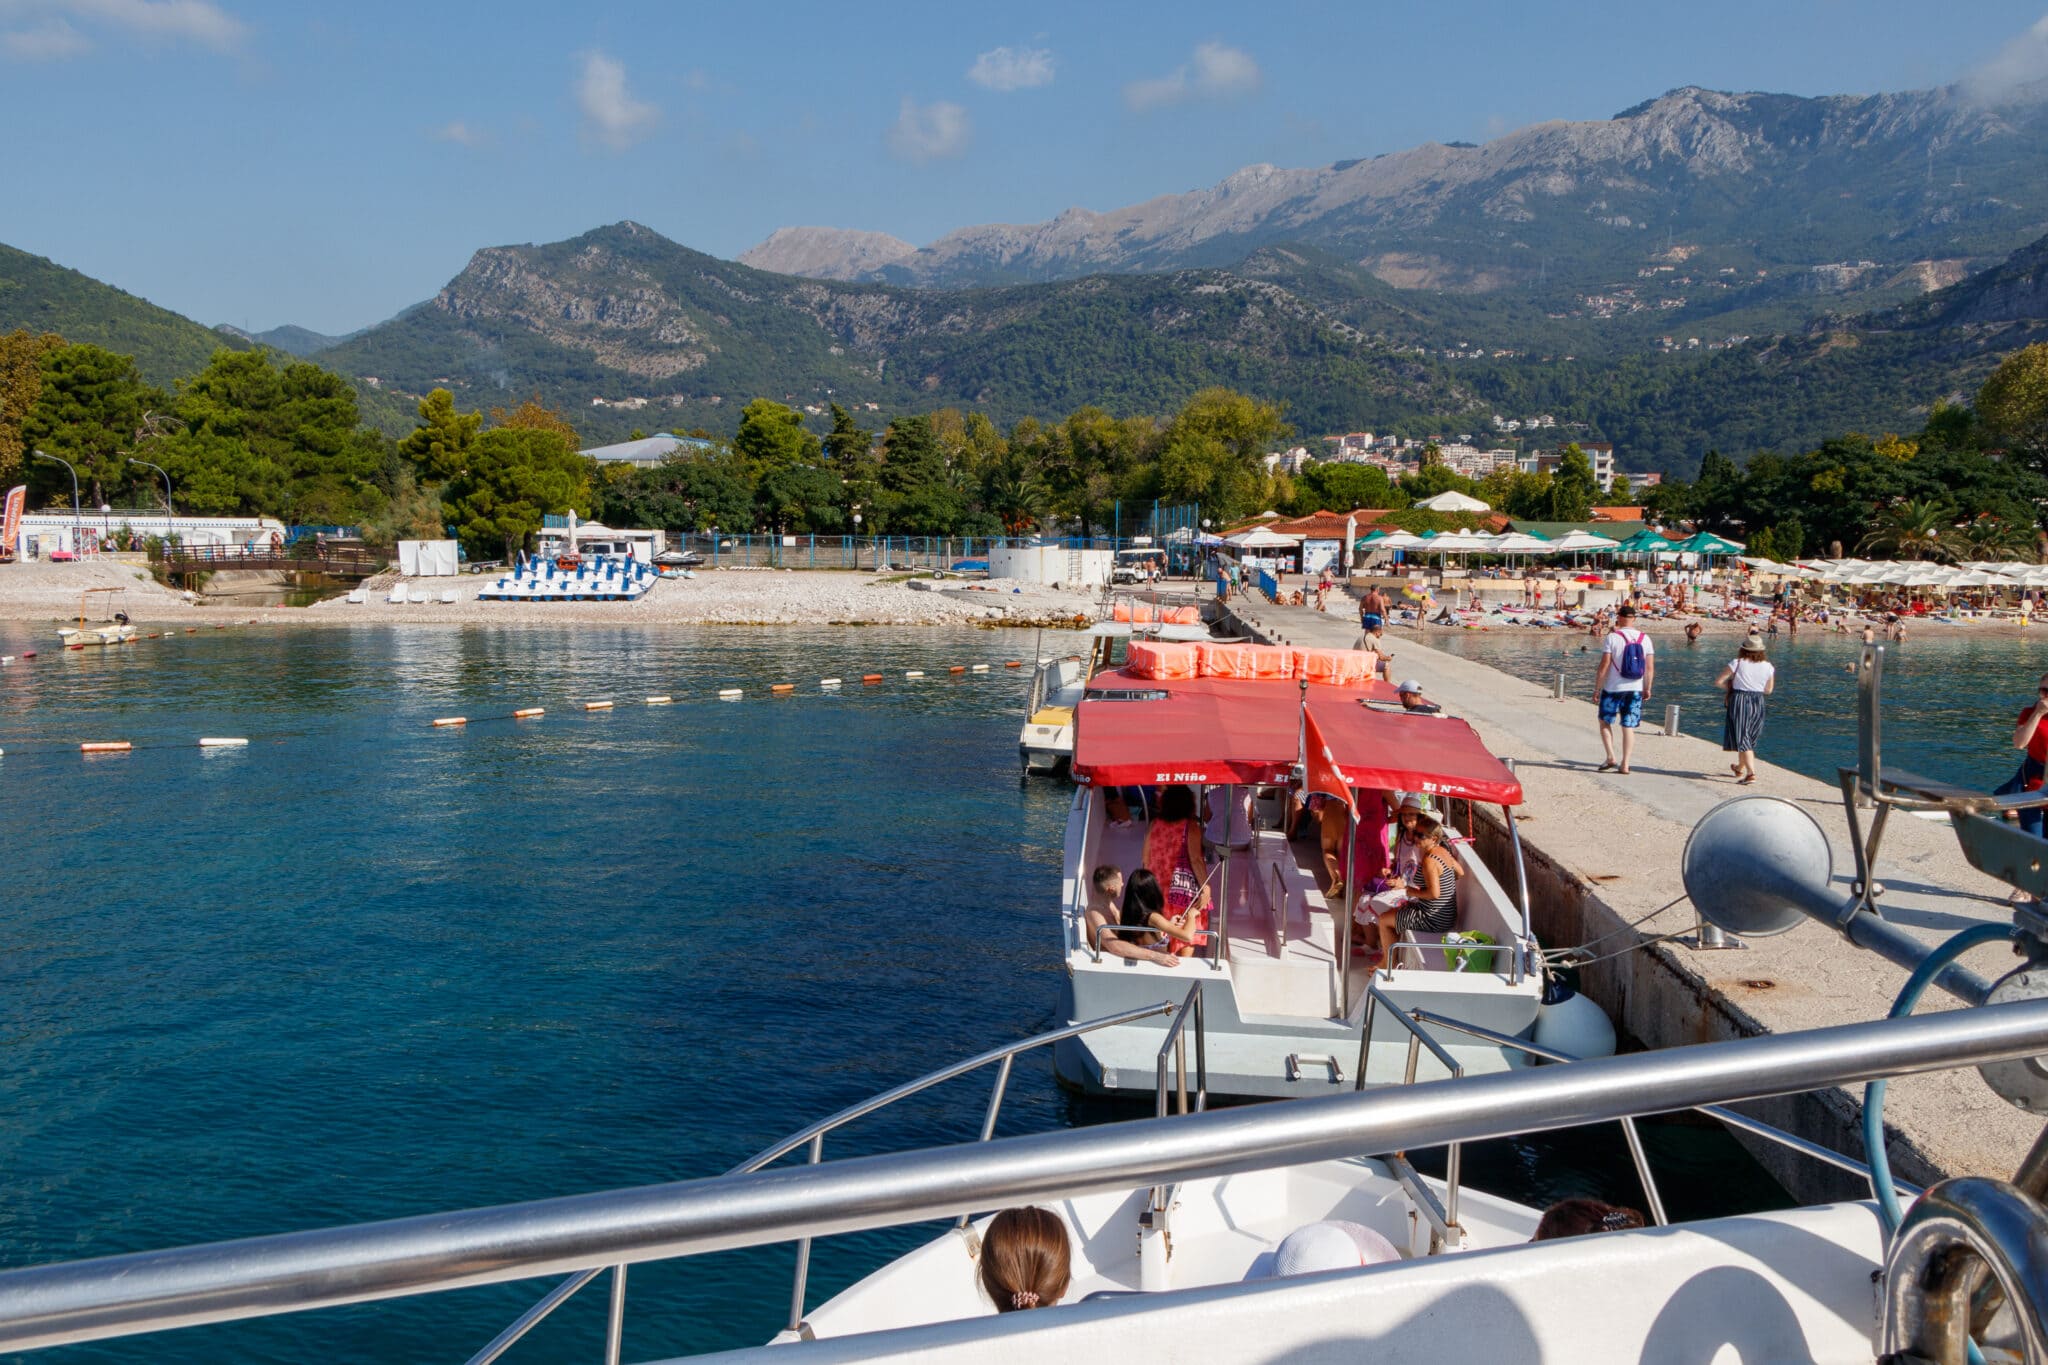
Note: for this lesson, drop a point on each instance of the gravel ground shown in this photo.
(42, 591)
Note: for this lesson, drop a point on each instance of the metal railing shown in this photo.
(1176, 1042)
(1755, 1127)
(1417, 1040)
(127, 1295)
(814, 1137)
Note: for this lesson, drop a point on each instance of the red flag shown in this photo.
(1323, 775)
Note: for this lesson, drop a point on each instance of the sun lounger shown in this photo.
(448, 597)
(420, 597)
(397, 598)
(359, 596)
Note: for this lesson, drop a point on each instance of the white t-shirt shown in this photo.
(1617, 640)
(1751, 675)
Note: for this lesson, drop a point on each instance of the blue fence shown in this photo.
(864, 552)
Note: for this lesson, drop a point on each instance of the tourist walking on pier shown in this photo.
(1748, 679)
(1628, 668)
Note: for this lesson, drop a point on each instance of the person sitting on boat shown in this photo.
(1026, 1259)
(1399, 865)
(1577, 1217)
(1332, 1244)
(1145, 907)
(1412, 699)
(1105, 908)
(1430, 905)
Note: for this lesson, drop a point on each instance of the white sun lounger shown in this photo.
(358, 597)
(397, 598)
(448, 597)
(420, 597)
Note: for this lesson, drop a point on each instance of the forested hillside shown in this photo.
(38, 295)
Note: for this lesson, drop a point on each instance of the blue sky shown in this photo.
(329, 164)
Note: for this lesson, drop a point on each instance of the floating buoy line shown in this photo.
(107, 747)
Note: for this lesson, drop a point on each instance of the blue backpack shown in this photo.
(1633, 664)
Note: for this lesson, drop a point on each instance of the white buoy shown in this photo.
(729, 694)
(218, 743)
(659, 701)
(450, 720)
(980, 668)
(1575, 1025)
(914, 673)
(828, 682)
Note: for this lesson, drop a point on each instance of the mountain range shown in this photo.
(1745, 180)
(1707, 270)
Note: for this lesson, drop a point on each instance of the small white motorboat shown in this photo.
(1046, 743)
(117, 631)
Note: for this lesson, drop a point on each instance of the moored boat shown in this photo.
(1284, 973)
(115, 631)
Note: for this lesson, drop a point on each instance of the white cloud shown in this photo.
(461, 134)
(929, 132)
(1012, 68)
(199, 22)
(50, 41)
(2022, 62)
(610, 113)
(1217, 71)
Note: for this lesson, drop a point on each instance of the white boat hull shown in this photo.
(1787, 1286)
(96, 635)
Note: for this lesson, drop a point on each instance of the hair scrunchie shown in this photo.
(1024, 1298)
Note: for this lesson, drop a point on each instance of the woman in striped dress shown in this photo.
(1748, 679)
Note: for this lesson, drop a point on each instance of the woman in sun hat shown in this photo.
(1748, 679)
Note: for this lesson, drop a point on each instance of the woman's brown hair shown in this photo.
(1026, 1261)
(1577, 1217)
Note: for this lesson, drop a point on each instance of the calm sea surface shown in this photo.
(1951, 692)
(363, 968)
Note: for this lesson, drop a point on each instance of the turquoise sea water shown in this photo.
(364, 968)
(1951, 693)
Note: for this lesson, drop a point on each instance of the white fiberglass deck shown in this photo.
(1275, 1007)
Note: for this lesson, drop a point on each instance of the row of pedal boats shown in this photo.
(1174, 1220)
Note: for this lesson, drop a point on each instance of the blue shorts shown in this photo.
(1626, 707)
(1369, 620)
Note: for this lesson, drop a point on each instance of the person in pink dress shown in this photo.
(1173, 853)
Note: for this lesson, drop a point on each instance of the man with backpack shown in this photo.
(1628, 664)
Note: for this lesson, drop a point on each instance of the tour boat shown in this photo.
(1286, 995)
(1046, 743)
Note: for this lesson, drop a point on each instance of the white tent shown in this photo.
(1451, 500)
(1262, 538)
(1520, 543)
(1397, 540)
(1465, 542)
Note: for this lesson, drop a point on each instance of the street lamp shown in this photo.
(167, 494)
(856, 537)
(77, 530)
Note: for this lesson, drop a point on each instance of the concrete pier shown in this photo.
(1603, 853)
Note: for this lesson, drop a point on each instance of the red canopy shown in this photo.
(1238, 731)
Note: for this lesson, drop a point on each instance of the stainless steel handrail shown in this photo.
(1279, 904)
(814, 1136)
(260, 1276)
(1176, 1042)
(1528, 940)
(1417, 1040)
(1756, 1127)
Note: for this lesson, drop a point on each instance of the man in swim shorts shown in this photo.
(1628, 665)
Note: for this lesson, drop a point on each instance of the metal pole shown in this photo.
(615, 1325)
(261, 1276)
(803, 1253)
(77, 528)
(169, 515)
(1345, 902)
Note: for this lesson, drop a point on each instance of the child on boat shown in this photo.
(1026, 1259)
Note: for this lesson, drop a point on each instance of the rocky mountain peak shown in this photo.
(825, 253)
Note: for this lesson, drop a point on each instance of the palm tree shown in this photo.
(1014, 494)
(1920, 528)
(1994, 537)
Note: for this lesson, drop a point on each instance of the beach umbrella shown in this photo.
(1974, 578)
(1573, 542)
(1398, 540)
(1645, 542)
(1350, 539)
(1263, 538)
(1707, 543)
(1520, 543)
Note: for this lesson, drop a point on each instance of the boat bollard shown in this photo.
(1671, 720)
(1559, 694)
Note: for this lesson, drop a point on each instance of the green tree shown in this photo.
(772, 435)
(850, 447)
(90, 403)
(683, 493)
(514, 477)
(799, 498)
(439, 447)
(916, 493)
(21, 383)
(1573, 489)
(2013, 403)
(1920, 528)
(1343, 486)
(1013, 494)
